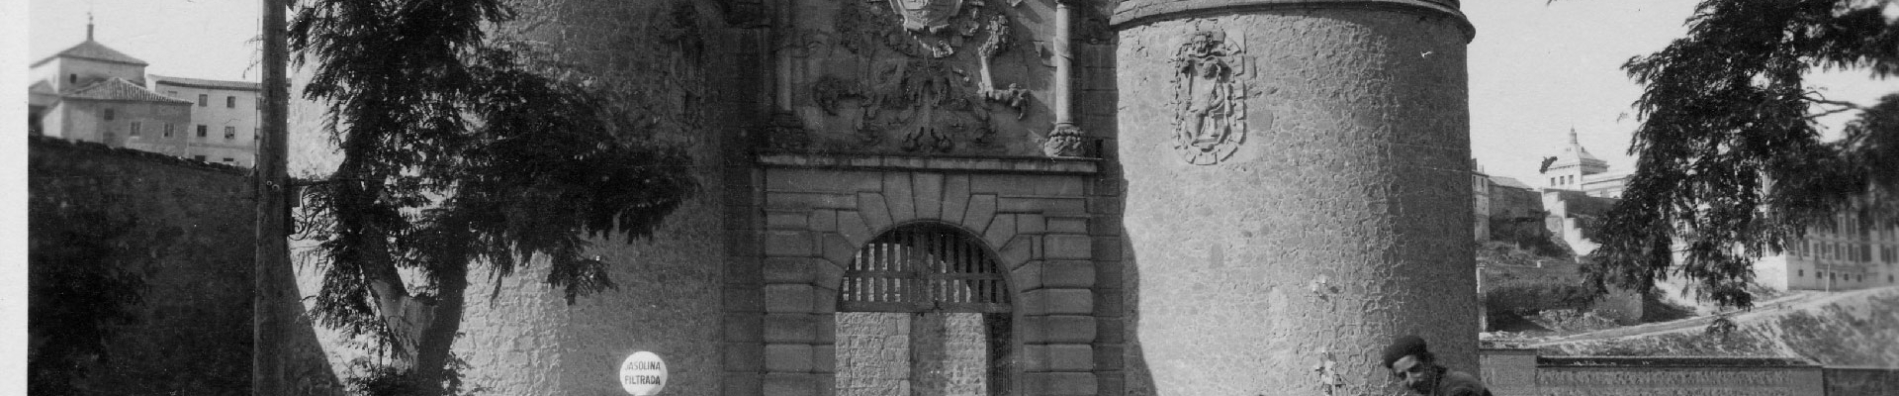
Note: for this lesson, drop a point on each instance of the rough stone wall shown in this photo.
(193, 334)
(1341, 221)
(873, 354)
(950, 354)
(527, 341)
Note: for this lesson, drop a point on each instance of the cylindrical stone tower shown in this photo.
(1297, 191)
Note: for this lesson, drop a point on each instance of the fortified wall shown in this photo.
(1085, 198)
(188, 235)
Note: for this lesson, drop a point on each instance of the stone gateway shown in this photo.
(1020, 197)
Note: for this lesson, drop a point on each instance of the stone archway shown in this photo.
(924, 309)
(818, 212)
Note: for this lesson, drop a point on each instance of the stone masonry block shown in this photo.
(853, 227)
(1107, 248)
(1073, 329)
(743, 269)
(837, 248)
(1004, 184)
(1109, 357)
(1071, 357)
(1027, 277)
(822, 220)
(782, 383)
(982, 207)
(820, 180)
(790, 328)
(823, 300)
(1105, 226)
(1058, 302)
(1108, 274)
(955, 197)
(1000, 230)
(744, 356)
(1041, 205)
(827, 329)
(1017, 252)
(1068, 273)
(827, 275)
(900, 196)
(787, 270)
(1060, 186)
(1069, 246)
(1060, 383)
(788, 298)
(1031, 224)
(1104, 205)
(1111, 383)
(787, 358)
(786, 220)
(744, 327)
(1110, 330)
(1108, 302)
(808, 201)
(1032, 358)
(1068, 225)
(824, 358)
(876, 214)
(788, 244)
(928, 188)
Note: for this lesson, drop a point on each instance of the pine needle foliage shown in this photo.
(1732, 165)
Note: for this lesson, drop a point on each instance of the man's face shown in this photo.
(1416, 375)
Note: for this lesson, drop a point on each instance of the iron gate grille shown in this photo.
(923, 268)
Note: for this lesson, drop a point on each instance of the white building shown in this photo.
(224, 117)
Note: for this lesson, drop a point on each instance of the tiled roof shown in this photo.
(119, 89)
(92, 50)
(211, 84)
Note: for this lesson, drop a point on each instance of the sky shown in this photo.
(1537, 68)
(209, 39)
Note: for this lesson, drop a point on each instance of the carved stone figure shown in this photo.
(1209, 103)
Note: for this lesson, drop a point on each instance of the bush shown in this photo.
(1528, 297)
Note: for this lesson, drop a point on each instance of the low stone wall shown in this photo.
(1514, 372)
(1861, 381)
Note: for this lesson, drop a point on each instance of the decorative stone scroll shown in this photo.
(1209, 101)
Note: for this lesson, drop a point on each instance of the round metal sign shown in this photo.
(643, 374)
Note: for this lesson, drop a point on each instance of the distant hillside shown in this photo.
(1858, 328)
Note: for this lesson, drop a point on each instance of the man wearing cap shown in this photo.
(1414, 365)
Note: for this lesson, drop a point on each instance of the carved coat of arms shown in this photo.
(1209, 102)
(926, 15)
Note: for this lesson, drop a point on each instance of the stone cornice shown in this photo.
(1136, 12)
(936, 164)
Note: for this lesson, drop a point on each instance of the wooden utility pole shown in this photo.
(269, 326)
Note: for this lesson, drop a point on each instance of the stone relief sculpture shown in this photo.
(1209, 102)
(901, 75)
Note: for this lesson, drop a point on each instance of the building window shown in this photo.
(230, 133)
(230, 102)
(72, 78)
(109, 114)
(200, 158)
(203, 100)
(134, 131)
(229, 160)
(168, 129)
(201, 130)
(1800, 273)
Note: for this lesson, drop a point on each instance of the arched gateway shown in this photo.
(923, 309)
(895, 275)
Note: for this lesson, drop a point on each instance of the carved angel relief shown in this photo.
(1209, 102)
